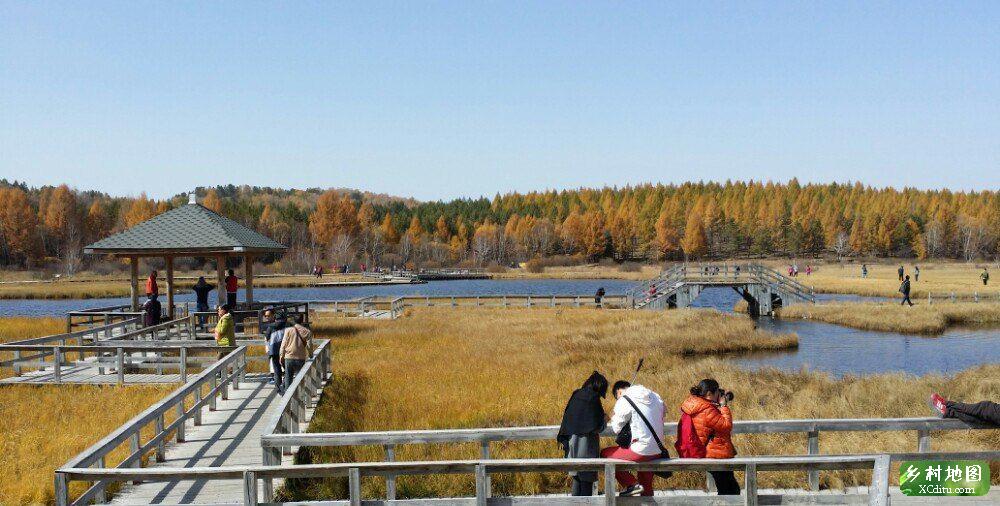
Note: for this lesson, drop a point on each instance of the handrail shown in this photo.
(107, 330)
(228, 370)
(878, 491)
(291, 409)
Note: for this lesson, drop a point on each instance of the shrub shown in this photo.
(534, 265)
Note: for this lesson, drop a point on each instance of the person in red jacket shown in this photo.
(151, 288)
(713, 422)
(232, 284)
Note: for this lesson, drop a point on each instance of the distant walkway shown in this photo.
(228, 436)
(88, 372)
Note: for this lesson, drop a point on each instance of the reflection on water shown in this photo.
(843, 350)
(38, 307)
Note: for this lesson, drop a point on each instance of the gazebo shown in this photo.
(187, 231)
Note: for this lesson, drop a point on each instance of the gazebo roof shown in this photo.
(191, 229)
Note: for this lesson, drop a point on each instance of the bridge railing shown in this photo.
(183, 404)
(389, 440)
(878, 492)
(292, 406)
(514, 300)
(120, 357)
(101, 317)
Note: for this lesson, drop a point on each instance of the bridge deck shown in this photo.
(228, 436)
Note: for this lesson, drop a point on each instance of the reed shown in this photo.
(922, 318)
(42, 427)
(438, 368)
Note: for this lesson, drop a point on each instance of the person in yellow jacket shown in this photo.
(225, 330)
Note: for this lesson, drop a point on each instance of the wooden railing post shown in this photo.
(183, 365)
(610, 492)
(61, 489)
(249, 488)
(212, 383)
(181, 434)
(482, 492)
(161, 450)
(390, 479)
(814, 450)
(485, 453)
(17, 363)
(751, 485)
(878, 492)
(57, 364)
(923, 441)
(354, 486)
(120, 364)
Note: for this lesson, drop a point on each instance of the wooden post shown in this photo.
(814, 450)
(354, 486)
(134, 281)
(181, 434)
(610, 493)
(170, 286)
(161, 450)
(183, 365)
(62, 489)
(878, 492)
(485, 453)
(248, 266)
(923, 441)
(482, 492)
(220, 266)
(120, 364)
(249, 488)
(390, 479)
(751, 485)
(57, 364)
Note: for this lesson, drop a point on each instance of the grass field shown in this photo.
(437, 368)
(922, 318)
(41, 427)
(941, 279)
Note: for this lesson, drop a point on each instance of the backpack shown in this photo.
(688, 445)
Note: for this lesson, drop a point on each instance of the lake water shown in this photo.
(822, 347)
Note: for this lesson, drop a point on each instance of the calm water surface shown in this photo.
(822, 347)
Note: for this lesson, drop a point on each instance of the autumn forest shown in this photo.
(50, 225)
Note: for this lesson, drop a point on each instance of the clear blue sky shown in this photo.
(447, 99)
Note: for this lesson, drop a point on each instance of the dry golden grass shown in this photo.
(893, 317)
(17, 328)
(43, 427)
(437, 369)
(91, 288)
(939, 278)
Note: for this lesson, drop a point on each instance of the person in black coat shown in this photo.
(580, 432)
(905, 290)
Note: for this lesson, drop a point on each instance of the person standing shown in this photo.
(232, 284)
(985, 276)
(296, 348)
(864, 271)
(225, 330)
(274, 340)
(635, 406)
(599, 296)
(151, 311)
(916, 273)
(151, 286)
(708, 407)
(580, 431)
(201, 290)
(905, 290)
(900, 271)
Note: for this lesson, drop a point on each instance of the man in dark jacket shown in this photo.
(151, 311)
(599, 296)
(580, 431)
(905, 290)
(900, 272)
(201, 290)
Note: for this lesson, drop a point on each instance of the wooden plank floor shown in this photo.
(228, 436)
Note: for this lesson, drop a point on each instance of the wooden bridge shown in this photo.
(763, 288)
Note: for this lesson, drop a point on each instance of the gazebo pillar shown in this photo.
(134, 281)
(170, 286)
(220, 264)
(248, 266)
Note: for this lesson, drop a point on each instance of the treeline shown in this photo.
(692, 220)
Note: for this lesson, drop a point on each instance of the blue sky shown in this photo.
(448, 99)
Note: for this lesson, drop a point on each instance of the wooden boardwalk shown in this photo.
(87, 372)
(228, 436)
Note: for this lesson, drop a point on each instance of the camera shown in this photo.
(728, 395)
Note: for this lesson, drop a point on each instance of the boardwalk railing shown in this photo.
(87, 335)
(249, 318)
(481, 469)
(485, 436)
(291, 412)
(183, 404)
(718, 274)
(117, 356)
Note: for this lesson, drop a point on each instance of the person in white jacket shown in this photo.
(643, 446)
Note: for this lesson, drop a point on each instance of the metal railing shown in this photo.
(388, 440)
(185, 403)
(708, 274)
(878, 492)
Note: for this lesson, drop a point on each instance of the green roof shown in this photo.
(191, 228)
